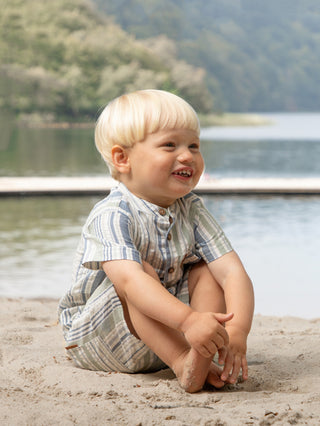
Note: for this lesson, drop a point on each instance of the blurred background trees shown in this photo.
(65, 59)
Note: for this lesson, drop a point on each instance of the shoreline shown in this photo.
(40, 385)
(35, 121)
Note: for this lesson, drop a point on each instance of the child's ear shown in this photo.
(120, 159)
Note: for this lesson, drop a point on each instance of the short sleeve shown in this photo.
(211, 242)
(108, 236)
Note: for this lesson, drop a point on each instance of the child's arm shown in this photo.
(203, 331)
(238, 291)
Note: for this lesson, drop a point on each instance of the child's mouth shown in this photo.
(186, 173)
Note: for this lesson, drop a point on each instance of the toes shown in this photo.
(213, 377)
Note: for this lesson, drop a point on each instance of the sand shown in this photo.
(39, 385)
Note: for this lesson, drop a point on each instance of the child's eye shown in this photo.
(169, 144)
(194, 146)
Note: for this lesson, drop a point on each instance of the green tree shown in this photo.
(258, 55)
(65, 59)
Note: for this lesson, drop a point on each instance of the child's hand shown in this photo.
(205, 333)
(234, 358)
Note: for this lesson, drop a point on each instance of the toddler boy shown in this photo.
(156, 282)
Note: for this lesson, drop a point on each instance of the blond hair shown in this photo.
(129, 118)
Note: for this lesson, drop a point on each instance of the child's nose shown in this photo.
(185, 156)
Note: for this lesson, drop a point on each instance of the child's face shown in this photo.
(165, 166)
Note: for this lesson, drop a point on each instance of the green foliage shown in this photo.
(258, 55)
(65, 59)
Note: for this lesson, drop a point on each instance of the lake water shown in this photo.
(278, 238)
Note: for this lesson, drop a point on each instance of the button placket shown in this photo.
(169, 238)
(167, 224)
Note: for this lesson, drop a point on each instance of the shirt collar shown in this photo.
(147, 206)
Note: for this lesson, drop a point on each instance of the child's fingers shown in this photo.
(222, 332)
(227, 366)
(207, 351)
(236, 369)
(219, 340)
(222, 355)
(244, 366)
(211, 348)
(222, 318)
(232, 367)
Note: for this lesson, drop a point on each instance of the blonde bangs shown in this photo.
(129, 118)
(168, 111)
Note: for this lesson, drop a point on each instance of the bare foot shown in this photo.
(192, 370)
(213, 377)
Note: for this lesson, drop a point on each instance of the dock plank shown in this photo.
(96, 185)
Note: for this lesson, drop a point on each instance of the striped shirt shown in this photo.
(123, 226)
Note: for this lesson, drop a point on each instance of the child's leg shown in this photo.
(206, 295)
(170, 345)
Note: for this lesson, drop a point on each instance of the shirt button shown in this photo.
(170, 270)
(169, 237)
(162, 212)
(170, 219)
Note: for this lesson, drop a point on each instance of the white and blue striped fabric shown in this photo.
(123, 226)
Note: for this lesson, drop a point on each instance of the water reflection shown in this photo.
(49, 152)
(71, 152)
(277, 238)
(283, 158)
(38, 240)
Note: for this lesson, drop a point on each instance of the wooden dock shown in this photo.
(38, 186)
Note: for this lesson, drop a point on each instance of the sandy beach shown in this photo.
(40, 386)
